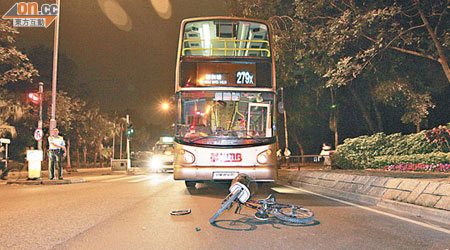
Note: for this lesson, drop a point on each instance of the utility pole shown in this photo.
(287, 153)
(55, 68)
(41, 92)
(121, 141)
(114, 140)
(128, 147)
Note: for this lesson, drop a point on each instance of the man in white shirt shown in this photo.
(325, 153)
(56, 152)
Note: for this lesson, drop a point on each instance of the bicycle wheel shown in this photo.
(224, 206)
(294, 214)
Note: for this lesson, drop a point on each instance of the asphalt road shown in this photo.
(133, 212)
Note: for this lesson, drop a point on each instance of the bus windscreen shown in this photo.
(225, 117)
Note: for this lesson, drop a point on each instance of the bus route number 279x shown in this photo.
(244, 77)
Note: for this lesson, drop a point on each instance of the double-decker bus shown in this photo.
(225, 93)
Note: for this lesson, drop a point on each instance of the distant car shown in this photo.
(162, 157)
(141, 159)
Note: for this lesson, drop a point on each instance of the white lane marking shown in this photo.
(144, 178)
(102, 177)
(437, 228)
(121, 179)
(157, 181)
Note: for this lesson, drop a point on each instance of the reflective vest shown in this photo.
(57, 140)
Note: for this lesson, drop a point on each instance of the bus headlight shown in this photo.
(188, 157)
(263, 157)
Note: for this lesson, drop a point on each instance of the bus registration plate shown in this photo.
(224, 175)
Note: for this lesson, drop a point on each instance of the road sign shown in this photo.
(38, 134)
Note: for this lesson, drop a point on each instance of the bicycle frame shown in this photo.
(265, 207)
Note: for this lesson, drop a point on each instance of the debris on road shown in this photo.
(181, 212)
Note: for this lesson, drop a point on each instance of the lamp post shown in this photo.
(287, 152)
(41, 91)
(167, 109)
(130, 132)
(55, 68)
(128, 147)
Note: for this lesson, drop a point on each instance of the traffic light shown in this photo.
(130, 131)
(34, 99)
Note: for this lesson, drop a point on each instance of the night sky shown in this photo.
(125, 50)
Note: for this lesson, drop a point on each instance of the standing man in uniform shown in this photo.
(56, 152)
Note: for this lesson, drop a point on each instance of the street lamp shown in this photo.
(165, 106)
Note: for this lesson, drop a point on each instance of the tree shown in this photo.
(307, 117)
(14, 67)
(361, 31)
(98, 129)
(66, 113)
(400, 94)
(350, 46)
(356, 38)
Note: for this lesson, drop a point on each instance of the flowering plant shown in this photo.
(441, 167)
(439, 136)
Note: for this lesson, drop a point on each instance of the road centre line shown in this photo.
(437, 228)
(102, 177)
(144, 178)
(120, 179)
(157, 181)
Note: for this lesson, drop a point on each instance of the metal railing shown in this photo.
(297, 161)
(235, 48)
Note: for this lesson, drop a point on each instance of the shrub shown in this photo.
(379, 150)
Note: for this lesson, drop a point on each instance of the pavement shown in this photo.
(425, 194)
(72, 176)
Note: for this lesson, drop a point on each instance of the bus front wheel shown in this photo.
(190, 184)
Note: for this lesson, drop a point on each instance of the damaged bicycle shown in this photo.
(240, 194)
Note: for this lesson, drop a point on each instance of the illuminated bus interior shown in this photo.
(225, 117)
(226, 38)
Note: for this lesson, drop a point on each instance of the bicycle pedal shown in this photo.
(261, 216)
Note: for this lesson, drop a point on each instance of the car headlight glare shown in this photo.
(155, 163)
(188, 157)
(263, 157)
